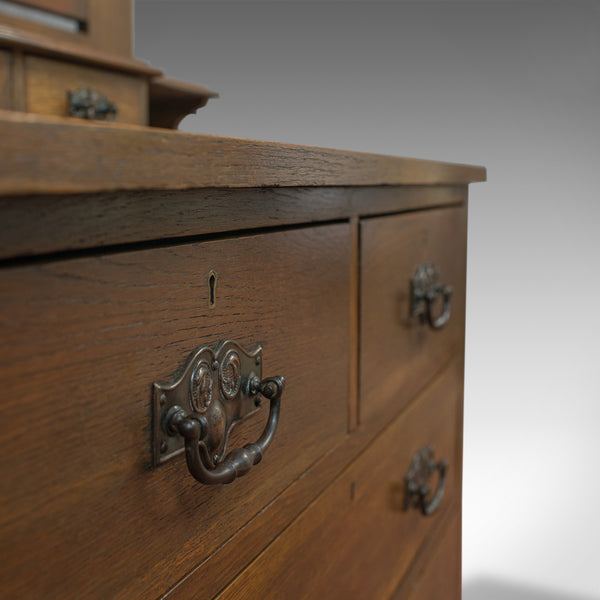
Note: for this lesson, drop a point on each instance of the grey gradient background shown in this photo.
(514, 86)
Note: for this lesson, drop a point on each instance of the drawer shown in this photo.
(47, 82)
(356, 540)
(5, 80)
(400, 352)
(83, 342)
(439, 574)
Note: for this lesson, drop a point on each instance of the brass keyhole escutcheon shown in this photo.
(212, 289)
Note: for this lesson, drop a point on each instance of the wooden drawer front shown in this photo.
(439, 575)
(48, 81)
(83, 514)
(355, 541)
(5, 80)
(399, 353)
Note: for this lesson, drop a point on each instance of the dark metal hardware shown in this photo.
(417, 479)
(212, 289)
(425, 287)
(87, 103)
(217, 388)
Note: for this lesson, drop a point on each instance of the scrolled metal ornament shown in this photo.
(217, 388)
(201, 384)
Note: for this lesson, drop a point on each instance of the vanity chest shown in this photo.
(231, 369)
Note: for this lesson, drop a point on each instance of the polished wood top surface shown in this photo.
(70, 156)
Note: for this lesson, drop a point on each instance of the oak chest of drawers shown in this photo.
(343, 273)
(231, 369)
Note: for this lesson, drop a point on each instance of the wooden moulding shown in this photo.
(69, 157)
(75, 9)
(70, 49)
(103, 31)
(38, 225)
(171, 101)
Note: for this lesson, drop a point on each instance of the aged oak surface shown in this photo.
(109, 232)
(5, 81)
(80, 221)
(363, 551)
(48, 81)
(398, 352)
(437, 572)
(94, 157)
(83, 341)
(213, 574)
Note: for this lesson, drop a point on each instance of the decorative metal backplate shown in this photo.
(86, 103)
(216, 383)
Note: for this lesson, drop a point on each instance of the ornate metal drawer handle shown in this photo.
(195, 413)
(87, 103)
(417, 482)
(425, 287)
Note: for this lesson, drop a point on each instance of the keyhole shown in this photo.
(212, 289)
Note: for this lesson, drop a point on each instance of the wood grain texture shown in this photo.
(48, 82)
(5, 80)
(91, 157)
(212, 575)
(355, 541)
(109, 232)
(84, 339)
(19, 86)
(110, 26)
(437, 572)
(397, 352)
(71, 222)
